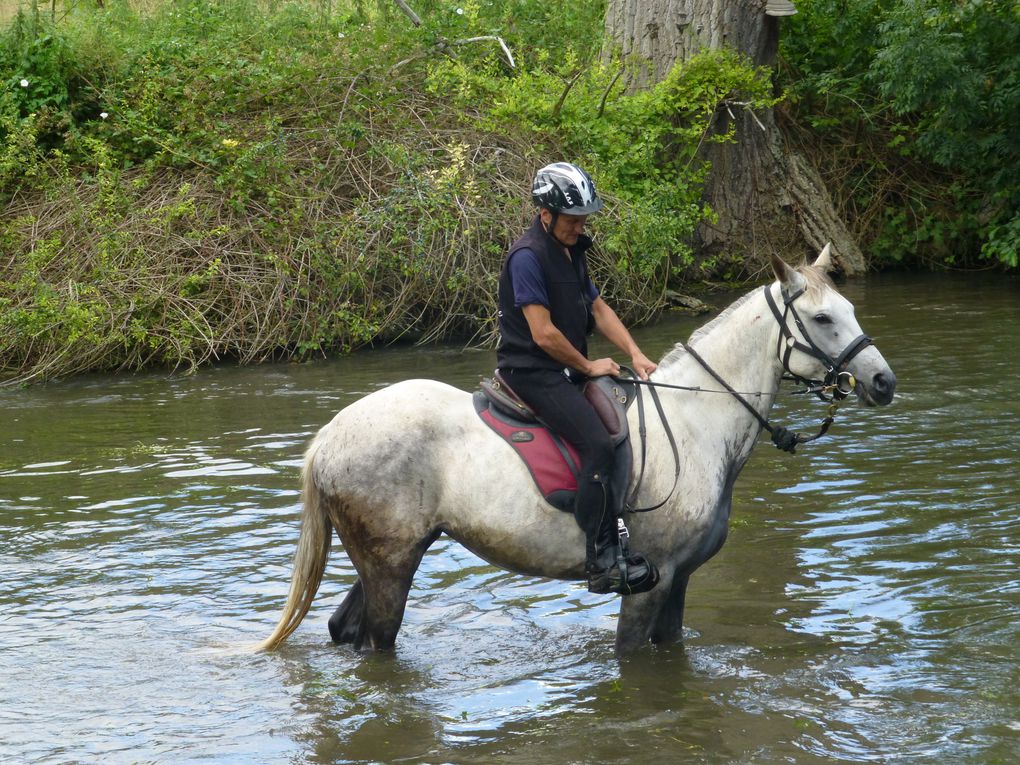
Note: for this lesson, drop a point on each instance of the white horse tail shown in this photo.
(309, 560)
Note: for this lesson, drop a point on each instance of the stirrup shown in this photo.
(626, 576)
(615, 569)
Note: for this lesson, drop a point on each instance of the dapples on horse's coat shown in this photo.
(401, 466)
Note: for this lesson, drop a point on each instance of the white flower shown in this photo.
(24, 83)
(340, 35)
(460, 11)
(103, 115)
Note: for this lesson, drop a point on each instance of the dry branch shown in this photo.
(444, 47)
(409, 13)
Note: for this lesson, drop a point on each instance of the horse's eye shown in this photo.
(823, 318)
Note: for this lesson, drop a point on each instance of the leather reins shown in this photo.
(836, 386)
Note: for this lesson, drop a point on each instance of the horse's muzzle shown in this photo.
(879, 391)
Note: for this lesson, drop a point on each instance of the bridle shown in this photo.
(837, 384)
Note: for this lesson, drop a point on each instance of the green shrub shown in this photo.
(231, 180)
(916, 103)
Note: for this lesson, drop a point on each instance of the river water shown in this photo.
(865, 608)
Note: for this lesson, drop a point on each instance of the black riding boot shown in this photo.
(608, 563)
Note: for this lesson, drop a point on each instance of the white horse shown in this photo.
(401, 466)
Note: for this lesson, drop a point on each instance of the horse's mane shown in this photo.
(816, 279)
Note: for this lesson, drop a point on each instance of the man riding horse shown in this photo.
(367, 477)
(548, 306)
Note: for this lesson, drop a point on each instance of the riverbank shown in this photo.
(213, 181)
(228, 180)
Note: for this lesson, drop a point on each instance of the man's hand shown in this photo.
(600, 367)
(642, 365)
(609, 324)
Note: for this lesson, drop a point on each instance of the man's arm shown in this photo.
(552, 341)
(610, 326)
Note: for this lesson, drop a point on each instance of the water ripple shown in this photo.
(864, 609)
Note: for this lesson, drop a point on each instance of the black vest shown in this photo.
(569, 302)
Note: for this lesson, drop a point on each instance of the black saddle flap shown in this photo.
(610, 398)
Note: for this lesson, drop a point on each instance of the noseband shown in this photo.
(838, 383)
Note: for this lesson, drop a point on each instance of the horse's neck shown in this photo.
(740, 347)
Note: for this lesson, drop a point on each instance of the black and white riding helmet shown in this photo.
(565, 188)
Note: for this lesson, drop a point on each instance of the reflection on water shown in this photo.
(864, 608)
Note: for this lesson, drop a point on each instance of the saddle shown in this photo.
(554, 463)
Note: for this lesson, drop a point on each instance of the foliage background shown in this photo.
(912, 111)
(225, 179)
(231, 179)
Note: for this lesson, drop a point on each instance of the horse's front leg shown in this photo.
(655, 616)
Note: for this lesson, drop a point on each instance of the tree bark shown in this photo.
(767, 197)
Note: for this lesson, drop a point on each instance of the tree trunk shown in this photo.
(768, 198)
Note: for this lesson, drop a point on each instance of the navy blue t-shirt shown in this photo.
(529, 280)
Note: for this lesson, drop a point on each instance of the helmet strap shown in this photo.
(551, 227)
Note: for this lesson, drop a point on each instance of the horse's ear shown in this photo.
(824, 259)
(792, 282)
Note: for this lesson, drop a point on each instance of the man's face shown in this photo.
(567, 228)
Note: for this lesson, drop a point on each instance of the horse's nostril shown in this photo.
(884, 384)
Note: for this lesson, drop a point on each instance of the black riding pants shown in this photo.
(561, 405)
